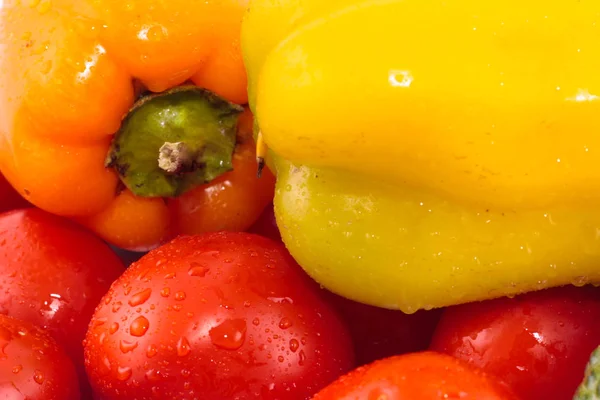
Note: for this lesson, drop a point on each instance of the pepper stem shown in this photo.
(173, 141)
(261, 153)
(174, 157)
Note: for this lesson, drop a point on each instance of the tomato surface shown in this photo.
(32, 365)
(53, 275)
(215, 316)
(9, 198)
(379, 333)
(538, 343)
(416, 376)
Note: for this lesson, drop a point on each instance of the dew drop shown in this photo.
(580, 281)
(256, 321)
(106, 364)
(165, 292)
(170, 275)
(38, 376)
(294, 345)
(180, 296)
(285, 323)
(140, 297)
(301, 358)
(198, 270)
(123, 373)
(139, 326)
(153, 375)
(100, 321)
(151, 351)
(127, 290)
(117, 306)
(126, 346)
(107, 300)
(230, 334)
(183, 347)
(177, 307)
(113, 328)
(185, 373)
(17, 368)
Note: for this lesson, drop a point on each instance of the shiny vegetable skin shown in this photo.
(32, 365)
(416, 376)
(538, 343)
(215, 316)
(9, 198)
(53, 274)
(431, 152)
(379, 333)
(67, 73)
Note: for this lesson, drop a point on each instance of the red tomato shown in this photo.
(32, 365)
(53, 275)
(416, 376)
(215, 316)
(538, 343)
(9, 198)
(266, 225)
(378, 333)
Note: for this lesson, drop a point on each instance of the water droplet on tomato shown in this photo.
(106, 365)
(285, 323)
(113, 328)
(126, 346)
(139, 326)
(280, 359)
(101, 338)
(151, 351)
(17, 368)
(127, 290)
(177, 307)
(98, 322)
(197, 269)
(165, 292)
(180, 296)
(107, 300)
(140, 297)
(170, 275)
(123, 373)
(143, 274)
(38, 376)
(183, 347)
(185, 373)
(301, 358)
(230, 334)
(153, 375)
(117, 306)
(256, 321)
(294, 345)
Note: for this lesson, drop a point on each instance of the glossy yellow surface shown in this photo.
(431, 152)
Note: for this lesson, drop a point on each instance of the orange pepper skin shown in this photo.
(67, 76)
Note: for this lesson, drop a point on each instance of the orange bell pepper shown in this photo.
(70, 71)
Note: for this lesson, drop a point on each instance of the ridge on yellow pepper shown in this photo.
(430, 153)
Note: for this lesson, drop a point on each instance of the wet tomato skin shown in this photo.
(538, 343)
(53, 275)
(379, 333)
(416, 376)
(215, 316)
(32, 365)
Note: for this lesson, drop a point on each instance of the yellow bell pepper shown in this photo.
(432, 152)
